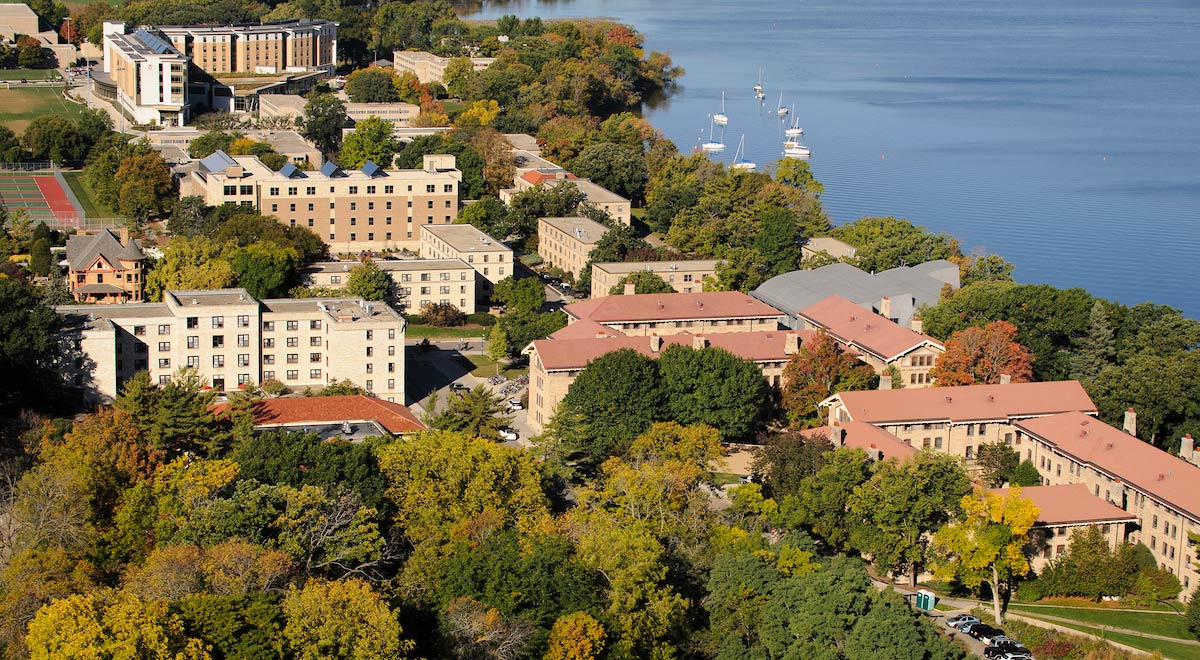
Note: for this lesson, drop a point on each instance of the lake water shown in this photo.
(1064, 134)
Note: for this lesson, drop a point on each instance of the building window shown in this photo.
(268, 326)
(293, 342)
(218, 361)
(139, 330)
(247, 190)
(164, 346)
(314, 373)
(243, 340)
(293, 358)
(193, 322)
(164, 329)
(243, 359)
(293, 374)
(164, 363)
(193, 361)
(230, 190)
(370, 351)
(314, 357)
(164, 379)
(268, 375)
(218, 321)
(293, 325)
(193, 342)
(218, 341)
(314, 325)
(268, 359)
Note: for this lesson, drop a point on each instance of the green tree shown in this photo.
(39, 257)
(56, 138)
(819, 369)
(576, 636)
(785, 459)
(264, 269)
(369, 282)
(989, 542)
(821, 501)
(525, 207)
(883, 243)
(740, 269)
(207, 143)
(1026, 474)
(341, 620)
(612, 401)
(104, 161)
(1098, 348)
(520, 296)
(477, 413)
(643, 281)
(712, 386)
(498, 346)
(779, 241)
(619, 168)
(245, 229)
(997, 463)
(1163, 391)
(373, 85)
(901, 505)
(324, 116)
(443, 314)
(371, 140)
(615, 245)
(985, 268)
(175, 417)
(243, 626)
(438, 479)
(145, 186)
(195, 263)
(486, 214)
(797, 173)
(30, 376)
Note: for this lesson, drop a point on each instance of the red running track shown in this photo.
(55, 197)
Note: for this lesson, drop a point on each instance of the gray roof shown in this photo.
(217, 161)
(922, 284)
(82, 249)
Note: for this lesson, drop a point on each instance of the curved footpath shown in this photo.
(965, 606)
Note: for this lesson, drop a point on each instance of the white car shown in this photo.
(509, 434)
(960, 620)
(515, 404)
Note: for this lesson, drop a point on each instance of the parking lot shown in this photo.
(439, 368)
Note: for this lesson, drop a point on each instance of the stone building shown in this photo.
(671, 313)
(565, 243)
(104, 268)
(491, 259)
(686, 276)
(418, 282)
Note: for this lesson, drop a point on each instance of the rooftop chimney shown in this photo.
(1187, 449)
(1130, 425)
(917, 326)
(630, 288)
(1005, 379)
(655, 343)
(885, 307)
(791, 343)
(699, 342)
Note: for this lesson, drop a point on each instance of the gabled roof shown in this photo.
(330, 168)
(859, 328)
(571, 354)
(217, 161)
(921, 285)
(370, 168)
(83, 249)
(878, 443)
(671, 307)
(1071, 504)
(585, 329)
(289, 169)
(298, 411)
(1127, 458)
(965, 403)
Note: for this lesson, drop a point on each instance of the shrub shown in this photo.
(481, 318)
(274, 387)
(415, 319)
(443, 315)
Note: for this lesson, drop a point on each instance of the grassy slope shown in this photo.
(1169, 625)
(91, 207)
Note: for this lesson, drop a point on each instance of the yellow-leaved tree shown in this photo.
(110, 624)
(341, 620)
(575, 636)
(989, 542)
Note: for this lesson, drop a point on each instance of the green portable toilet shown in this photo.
(926, 600)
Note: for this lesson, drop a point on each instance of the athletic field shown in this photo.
(42, 197)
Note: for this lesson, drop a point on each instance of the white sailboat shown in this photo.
(712, 146)
(758, 89)
(794, 131)
(720, 119)
(739, 161)
(793, 149)
(782, 109)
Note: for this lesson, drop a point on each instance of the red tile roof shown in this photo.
(1125, 457)
(585, 329)
(867, 437)
(573, 354)
(965, 403)
(296, 411)
(865, 330)
(537, 177)
(671, 307)
(1071, 504)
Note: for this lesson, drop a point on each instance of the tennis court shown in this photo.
(41, 196)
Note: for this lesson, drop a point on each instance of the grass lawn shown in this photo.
(20, 106)
(28, 74)
(452, 107)
(91, 207)
(725, 479)
(433, 332)
(1168, 625)
(1169, 650)
(483, 366)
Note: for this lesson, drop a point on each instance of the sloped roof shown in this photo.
(869, 438)
(298, 411)
(852, 325)
(965, 403)
(1070, 504)
(1125, 457)
(569, 354)
(670, 307)
(217, 161)
(799, 289)
(82, 249)
(585, 329)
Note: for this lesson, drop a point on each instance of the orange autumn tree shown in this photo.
(980, 355)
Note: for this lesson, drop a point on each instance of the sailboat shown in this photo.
(739, 161)
(794, 131)
(758, 89)
(782, 110)
(793, 149)
(720, 119)
(712, 146)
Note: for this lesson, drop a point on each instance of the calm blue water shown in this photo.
(1063, 134)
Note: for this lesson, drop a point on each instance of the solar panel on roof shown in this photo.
(330, 168)
(217, 161)
(152, 41)
(289, 169)
(370, 168)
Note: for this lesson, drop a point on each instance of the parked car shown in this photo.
(1016, 656)
(984, 632)
(961, 619)
(515, 404)
(966, 627)
(459, 387)
(509, 434)
(992, 636)
(1003, 648)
